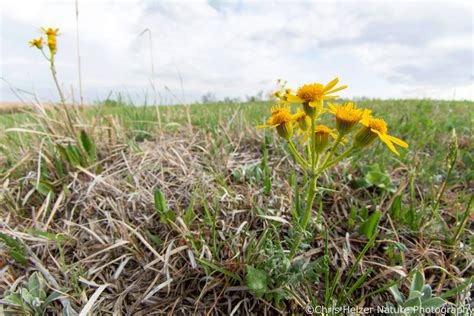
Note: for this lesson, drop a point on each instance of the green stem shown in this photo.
(63, 99)
(42, 52)
(333, 149)
(306, 215)
(297, 156)
(336, 160)
(311, 191)
(53, 72)
(308, 151)
(313, 143)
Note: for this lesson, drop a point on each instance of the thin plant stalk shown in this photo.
(333, 149)
(297, 155)
(53, 73)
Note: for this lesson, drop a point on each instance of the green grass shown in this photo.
(199, 205)
(426, 125)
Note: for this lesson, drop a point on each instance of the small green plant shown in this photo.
(420, 298)
(16, 252)
(161, 207)
(373, 176)
(33, 298)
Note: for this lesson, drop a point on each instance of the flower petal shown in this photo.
(398, 141)
(337, 89)
(333, 108)
(387, 141)
(331, 84)
(293, 98)
(315, 104)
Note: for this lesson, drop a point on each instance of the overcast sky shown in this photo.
(380, 49)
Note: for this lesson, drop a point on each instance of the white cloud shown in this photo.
(380, 49)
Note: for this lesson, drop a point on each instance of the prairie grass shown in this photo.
(143, 210)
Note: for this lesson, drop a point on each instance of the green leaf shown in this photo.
(156, 240)
(64, 153)
(34, 282)
(417, 282)
(44, 188)
(14, 298)
(413, 305)
(396, 294)
(427, 292)
(11, 242)
(374, 176)
(396, 207)
(257, 281)
(88, 145)
(189, 214)
(221, 270)
(18, 256)
(16, 249)
(433, 302)
(369, 227)
(166, 215)
(55, 237)
(401, 246)
(55, 296)
(414, 294)
(160, 203)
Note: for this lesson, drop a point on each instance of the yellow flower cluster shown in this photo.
(320, 153)
(51, 41)
(347, 117)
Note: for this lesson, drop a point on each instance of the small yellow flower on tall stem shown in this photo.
(313, 95)
(321, 134)
(347, 116)
(303, 121)
(51, 41)
(51, 38)
(282, 120)
(38, 43)
(374, 128)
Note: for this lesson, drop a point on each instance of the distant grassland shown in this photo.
(426, 125)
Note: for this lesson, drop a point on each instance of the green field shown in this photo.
(79, 204)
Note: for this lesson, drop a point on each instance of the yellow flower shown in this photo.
(49, 31)
(303, 120)
(373, 128)
(276, 94)
(281, 95)
(38, 43)
(321, 135)
(313, 95)
(51, 34)
(282, 120)
(347, 116)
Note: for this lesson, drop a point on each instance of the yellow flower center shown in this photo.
(378, 125)
(348, 113)
(299, 116)
(311, 92)
(280, 115)
(280, 118)
(322, 129)
(50, 31)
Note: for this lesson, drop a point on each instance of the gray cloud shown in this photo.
(237, 48)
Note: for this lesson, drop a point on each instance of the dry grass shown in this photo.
(116, 256)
